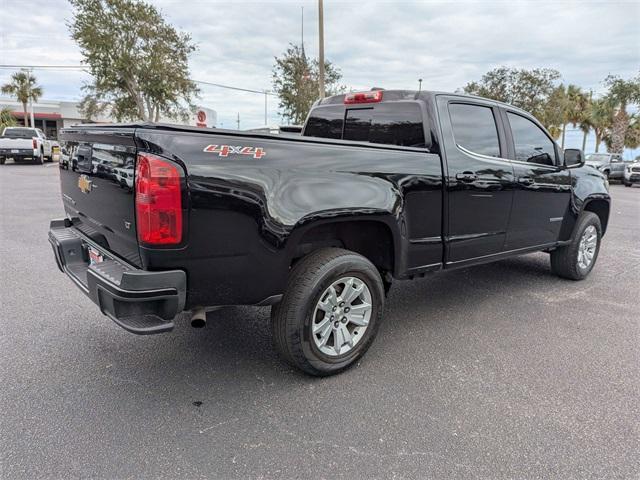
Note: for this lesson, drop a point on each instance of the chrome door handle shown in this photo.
(466, 176)
(525, 180)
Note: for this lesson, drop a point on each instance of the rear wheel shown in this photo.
(2, 160)
(577, 259)
(330, 312)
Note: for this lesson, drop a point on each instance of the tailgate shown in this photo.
(97, 185)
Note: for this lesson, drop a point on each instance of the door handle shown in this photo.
(525, 180)
(466, 176)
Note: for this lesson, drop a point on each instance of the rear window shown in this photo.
(387, 123)
(19, 133)
(474, 128)
(325, 122)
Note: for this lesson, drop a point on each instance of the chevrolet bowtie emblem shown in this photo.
(84, 184)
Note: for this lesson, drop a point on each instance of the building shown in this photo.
(51, 116)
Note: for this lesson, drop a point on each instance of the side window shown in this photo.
(388, 123)
(531, 143)
(325, 122)
(474, 128)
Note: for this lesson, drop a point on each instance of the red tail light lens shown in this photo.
(158, 201)
(35, 143)
(363, 97)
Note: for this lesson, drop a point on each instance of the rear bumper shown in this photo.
(139, 301)
(18, 152)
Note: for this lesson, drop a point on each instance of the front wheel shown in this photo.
(577, 259)
(330, 312)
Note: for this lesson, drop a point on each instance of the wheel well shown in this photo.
(371, 239)
(600, 208)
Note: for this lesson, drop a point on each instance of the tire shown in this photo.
(565, 261)
(627, 184)
(606, 174)
(2, 160)
(293, 319)
(40, 159)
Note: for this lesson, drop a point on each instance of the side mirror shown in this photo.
(573, 157)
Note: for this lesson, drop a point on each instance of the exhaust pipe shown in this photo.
(199, 318)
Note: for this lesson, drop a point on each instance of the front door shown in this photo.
(479, 178)
(542, 184)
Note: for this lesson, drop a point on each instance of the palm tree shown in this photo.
(575, 105)
(6, 119)
(23, 87)
(632, 138)
(601, 119)
(621, 94)
(585, 122)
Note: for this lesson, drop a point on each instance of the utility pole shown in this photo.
(265, 107)
(321, 49)
(238, 121)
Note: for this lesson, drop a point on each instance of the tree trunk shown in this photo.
(618, 131)
(26, 116)
(584, 140)
(597, 141)
(564, 128)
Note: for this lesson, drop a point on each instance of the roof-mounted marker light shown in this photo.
(363, 97)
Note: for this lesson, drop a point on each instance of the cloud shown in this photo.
(383, 44)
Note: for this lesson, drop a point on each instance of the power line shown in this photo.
(261, 92)
(81, 67)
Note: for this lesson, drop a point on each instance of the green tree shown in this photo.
(23, 87)
(576, 106)
(138, 61)
(632, 137)
(621, 94)
(295, 80)
(6, 119)
(526, 89)
(601, 119)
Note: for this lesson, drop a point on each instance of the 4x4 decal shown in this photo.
(226, 150)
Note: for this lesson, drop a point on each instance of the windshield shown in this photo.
(19, 133)
(598, 158)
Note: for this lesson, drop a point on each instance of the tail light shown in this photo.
(35, 143)
(363, 97)
(158, 201)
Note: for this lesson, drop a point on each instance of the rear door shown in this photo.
(97, 188)
(479, 178)
(542, 186)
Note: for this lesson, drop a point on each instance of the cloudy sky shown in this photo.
(385, 44)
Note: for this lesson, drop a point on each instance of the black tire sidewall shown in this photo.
(350, 265)
(587, 221)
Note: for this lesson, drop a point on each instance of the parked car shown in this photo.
(382, 186)
(632, 173)
(610, 164)
(21, 143)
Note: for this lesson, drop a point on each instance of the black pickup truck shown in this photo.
(382, 185)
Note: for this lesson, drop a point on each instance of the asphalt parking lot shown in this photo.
(498, 371)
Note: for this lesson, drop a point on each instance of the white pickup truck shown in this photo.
(21, 143)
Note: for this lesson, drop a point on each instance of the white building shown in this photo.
(52, 115)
